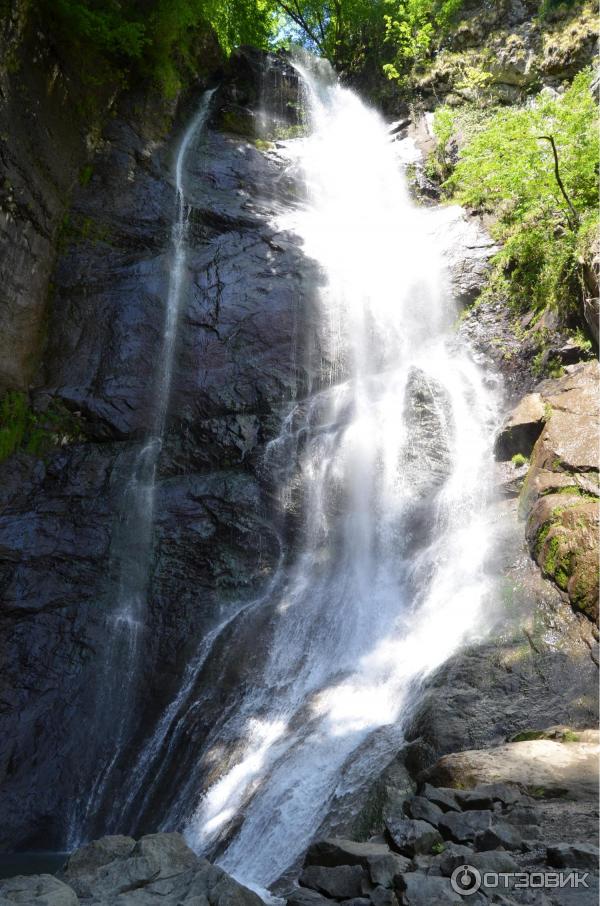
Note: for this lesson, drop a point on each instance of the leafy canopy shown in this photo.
(411, 26)
(343, 31)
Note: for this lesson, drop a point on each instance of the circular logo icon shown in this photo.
(465, 880)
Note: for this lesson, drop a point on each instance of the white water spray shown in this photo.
(374, 603)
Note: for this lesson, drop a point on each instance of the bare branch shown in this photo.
(574, 223)
(295, 14)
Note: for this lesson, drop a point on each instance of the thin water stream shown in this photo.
(131, 543)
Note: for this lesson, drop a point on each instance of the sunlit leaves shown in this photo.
(508, 169)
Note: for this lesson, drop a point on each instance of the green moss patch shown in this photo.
(35, 433)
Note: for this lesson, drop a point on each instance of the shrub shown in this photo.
(508, 168)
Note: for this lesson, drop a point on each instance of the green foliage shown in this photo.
(508, 168)
(153, 38)
(109, 25)
(549, 6)
(528, 735)
(412, 27)
(519, 460)
(23, 429)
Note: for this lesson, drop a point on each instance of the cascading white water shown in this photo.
(368, 610)
(131, 544)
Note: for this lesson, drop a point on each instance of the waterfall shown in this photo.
(388, 459)
(131, 543)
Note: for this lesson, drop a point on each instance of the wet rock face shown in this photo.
(37, 176)
(238, 362)
(262, 96)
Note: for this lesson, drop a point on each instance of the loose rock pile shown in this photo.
(492, 827)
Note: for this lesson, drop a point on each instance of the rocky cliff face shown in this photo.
(240, 357)
(559, 498)
(508, 51)
(45, 141)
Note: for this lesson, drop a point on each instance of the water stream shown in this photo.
(131, 543)
(390, 462)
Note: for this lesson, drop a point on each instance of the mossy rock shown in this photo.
(565, 548)
(237, 121)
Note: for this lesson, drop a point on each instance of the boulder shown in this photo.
(384, 870)
(341, 882)
(454, 854)
(88, 859)
(304, 896)
(484, 796)
(382, 896)
(522, 429)
(419, 889)
(37, 890)
(574, 855)
(463, 827)
(500, 835)
(337, 851)
(534, 764)
(161, 865)
(111, 865)
(423, 809)
(410, 837)
(445, 799)
(496, 861)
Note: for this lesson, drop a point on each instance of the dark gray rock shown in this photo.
(522, 815)
(337, 851)
(464, 827)
(83, 865)
(341, 882)
(304, 896)
(574, 855)
(454, 854)
(410, 837)
(428, 420)
(382, 896)
(37, 890)
(445, 799)
(492, 861)
(500, 835)
(160, 868)
(421, 808)
(523, 428)
(384, 870)
(423, 890)
(485, 795)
